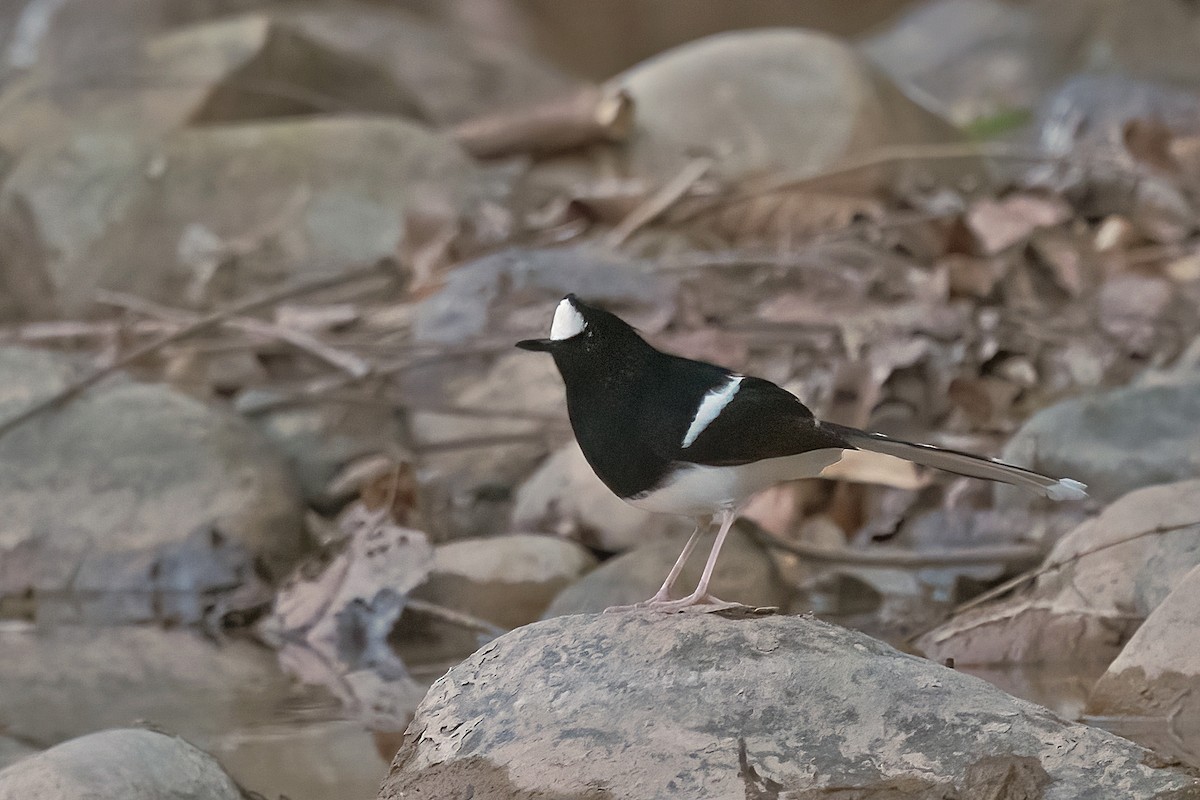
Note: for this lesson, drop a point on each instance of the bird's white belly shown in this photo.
(705, 490)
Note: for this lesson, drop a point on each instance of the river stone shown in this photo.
(772, 100)
(124, 764)
(564, 496)
(745, 573)
(1160, 666)
(130, 469)
(1088, 608)
(507, 580)
(1113, 441)
(657, 705)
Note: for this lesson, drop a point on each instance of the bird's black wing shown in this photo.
(761, 421)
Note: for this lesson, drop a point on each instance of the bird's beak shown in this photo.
(540, 345)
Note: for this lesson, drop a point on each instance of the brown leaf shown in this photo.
(1000, 224)
(973, 277)
(1148, 141)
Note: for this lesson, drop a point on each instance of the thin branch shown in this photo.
(454, 617)
(904, 559)
(201, 324)
(1026, 577)
(658, 202)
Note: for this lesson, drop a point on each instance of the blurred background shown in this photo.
(269, 463)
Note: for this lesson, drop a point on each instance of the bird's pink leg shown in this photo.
(700, 599)
(664, 592)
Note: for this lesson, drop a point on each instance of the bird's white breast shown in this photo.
(698, 489)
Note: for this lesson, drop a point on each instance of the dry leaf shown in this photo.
(1148, 141)
(1000, 224)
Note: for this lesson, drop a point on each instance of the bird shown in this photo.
(673, 435)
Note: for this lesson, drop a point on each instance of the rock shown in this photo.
(1114, 441)
(236, 207)
(479, 296)
(322, 439)
(124, 764)
(565, 497)
(1091, 110)
(135, 488)
(220, 211)
(1086, 609)
(1159, 668)
(12, 751)
(507, 580)
(762, 101)
(358, 58)
(973, 58)
(745, 573)
(1154, 39)
(651, 705)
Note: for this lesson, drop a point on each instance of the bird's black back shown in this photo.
(631, 407)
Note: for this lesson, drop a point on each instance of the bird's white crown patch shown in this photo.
(568, 322)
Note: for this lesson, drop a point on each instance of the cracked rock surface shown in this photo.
(650, 705)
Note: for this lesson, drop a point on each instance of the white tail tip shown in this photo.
(1067, 489)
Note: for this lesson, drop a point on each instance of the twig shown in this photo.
(301, 340)
(203, 323)
(583, 117)
(659, 201)
(454, 617)
(1026, 577)
(900, 558)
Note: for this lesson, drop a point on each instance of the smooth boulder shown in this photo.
(745, 573)
(135, 487)
(123, 764)
(762, 101)
(1113, 441)
(1097, 584)
(506, 580)
(655, 705)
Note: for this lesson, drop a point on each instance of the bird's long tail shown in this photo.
(962, 463)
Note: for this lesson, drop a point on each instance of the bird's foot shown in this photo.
(693, 604)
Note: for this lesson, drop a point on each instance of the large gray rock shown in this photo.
(1113, 441)
(219, 211)
(105, 493)
(745, 573)
(127, 764)
(237, 206)
(652, 705)
(1087, 608)
(769, 100)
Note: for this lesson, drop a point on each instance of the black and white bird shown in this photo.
(672, 435)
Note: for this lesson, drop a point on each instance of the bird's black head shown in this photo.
(583, 336)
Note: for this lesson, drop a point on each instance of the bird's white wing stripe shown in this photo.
(711, 405)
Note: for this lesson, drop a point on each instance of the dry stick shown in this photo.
(201, 324)
(1024, 578)
(453, 617)
(342, 360)
(660, 201)
(895, 557)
